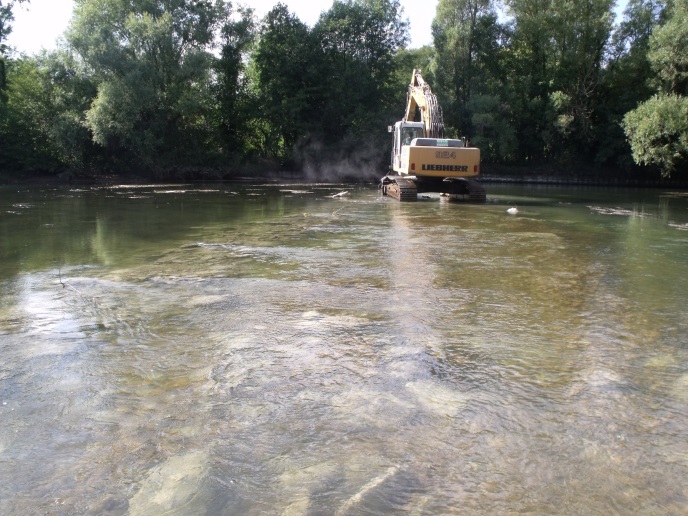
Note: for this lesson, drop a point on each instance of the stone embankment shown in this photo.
(495, 174)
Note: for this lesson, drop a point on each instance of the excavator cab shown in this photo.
(404, 134)
(410, 133)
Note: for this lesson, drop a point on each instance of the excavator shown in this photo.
(423, 160)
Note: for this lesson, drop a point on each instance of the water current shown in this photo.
(278, 349)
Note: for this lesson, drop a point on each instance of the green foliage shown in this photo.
(632, 36)
(658, 131)
(492, 129)
(625, 81)
(13, 153)
(282, 61)
(6, 18)
(151, 84)
(359, 41)
(559, 49)
(70, 92)
(405, 61)
(465, 34)
(234, 113)
(43, 127)
(22, 128)
(325, 90)
(658, 128)
(153, 66)
(668, 53)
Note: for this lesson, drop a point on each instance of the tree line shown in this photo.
(203, 87)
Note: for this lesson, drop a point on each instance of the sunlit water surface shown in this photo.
(271, 349)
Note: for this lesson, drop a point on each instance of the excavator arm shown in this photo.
(420, 97)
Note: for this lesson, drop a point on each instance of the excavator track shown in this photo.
(476, 192)
(461, 189)
(399, 188)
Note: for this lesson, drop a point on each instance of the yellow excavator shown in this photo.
(423, 160)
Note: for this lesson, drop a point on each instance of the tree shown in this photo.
(626, 80)
(632, 36)
(5, 29)
(325, 90)
(6, 19)
(153, 64)
(43, 129)
(558, 53)
(668, 53)
(360, 40)
(579, 54)
(463, 31)
(235, 101)
(658, 128)
(469, 74)
(24, 134)
(282, 63)
(658, 131)
(408, 59)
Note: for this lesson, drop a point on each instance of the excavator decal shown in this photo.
(444, 168)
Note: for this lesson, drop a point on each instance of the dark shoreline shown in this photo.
(490, 175)
(587, 181)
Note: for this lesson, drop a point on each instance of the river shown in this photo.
(272, 349)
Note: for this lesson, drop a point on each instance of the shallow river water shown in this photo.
(271, 349)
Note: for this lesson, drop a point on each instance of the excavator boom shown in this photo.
(420, 97)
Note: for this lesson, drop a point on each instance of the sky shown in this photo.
(40, 23)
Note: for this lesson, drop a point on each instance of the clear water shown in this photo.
(271, 349)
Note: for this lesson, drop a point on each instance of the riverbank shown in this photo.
(581, 175)
(551, 174)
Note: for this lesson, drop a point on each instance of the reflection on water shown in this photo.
(270, 349)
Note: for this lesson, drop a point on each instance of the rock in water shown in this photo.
(171, 486)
